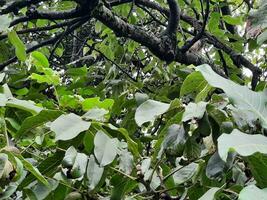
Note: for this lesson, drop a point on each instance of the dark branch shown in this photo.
(44, 28)
(199, 35)
(14, 6)
(174, 17)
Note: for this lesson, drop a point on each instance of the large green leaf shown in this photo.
(183, 174)
(242, 143)
(194, 111)
(105, 148)
(29, 167)
(18, 44)
(39, 59)
(5, 22)
(94, 173)
(69, 157)
(149, 110)
(176, 136)
(46, 167)
(258, 166)
(126, 161)
(252, 192)
(69, 126)
(79, 166)
(40, 191)
(24, 105)
(233, 20)
(241, 96)
(195, 85)
(90, 103)
(51, 79)
(215, 166)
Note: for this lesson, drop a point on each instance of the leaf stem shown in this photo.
(130, 177)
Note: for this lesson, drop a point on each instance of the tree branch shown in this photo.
(43, 43)
(199, 35)
(174, 17)
(44, 28)
(236, 58)
(14, 6)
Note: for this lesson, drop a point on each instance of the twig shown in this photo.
(199, 35)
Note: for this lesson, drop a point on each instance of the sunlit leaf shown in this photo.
(149, 110)
(105, 148)
(243, 144)
(69, 126)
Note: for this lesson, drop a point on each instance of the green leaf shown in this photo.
(140, 98)
(243, 98)
(105, 148)
(40, 191)
(126, 161)
(5, 23)
(94, 173)
(79, 166)
(69, 126)
(46, 167)
(90, 103)
(39, 59)
(49, 79)
(215, 166)
(34, 121)
(149, 110)
(18, 44)
(194, 111)
(233, 20)
(24, 105)
(184, 174)
(210, 194)
(33, 170)
(176, 136)
(195, 85)
(252, 192)
(97, 114)
(3, 100)
(22, 91)
(242, 143)
(258, 166)
(69, 157)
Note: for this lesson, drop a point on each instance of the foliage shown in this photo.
(133, 100)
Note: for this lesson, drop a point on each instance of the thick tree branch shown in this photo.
(155, 44)
(238, 59)
(14, 6)
(174, 17)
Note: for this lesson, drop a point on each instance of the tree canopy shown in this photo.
(133, 99)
